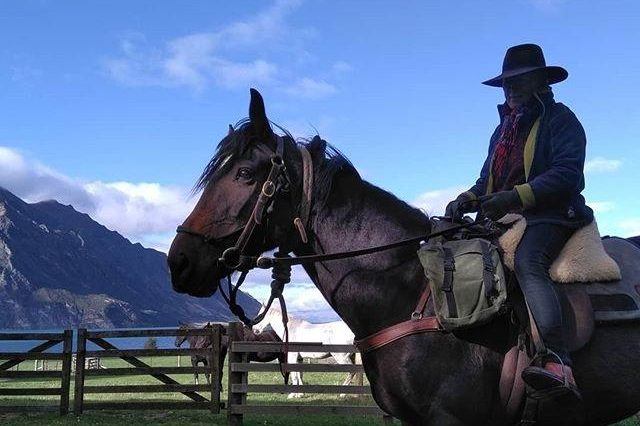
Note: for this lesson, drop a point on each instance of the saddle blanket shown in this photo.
(605, 268)
(582, 260)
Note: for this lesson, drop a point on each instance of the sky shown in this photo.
(115, 107)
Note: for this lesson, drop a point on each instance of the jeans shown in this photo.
(538, 248)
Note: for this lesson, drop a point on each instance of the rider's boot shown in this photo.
(553, 376)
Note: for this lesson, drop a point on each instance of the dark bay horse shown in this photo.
(424, 379)
(247, 335)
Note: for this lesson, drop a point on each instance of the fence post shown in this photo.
(79, 385)
(215, 368)
(66, 372)
(234, 419)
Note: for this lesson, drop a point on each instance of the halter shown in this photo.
(234, 257)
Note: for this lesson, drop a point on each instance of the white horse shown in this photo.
(333, 333)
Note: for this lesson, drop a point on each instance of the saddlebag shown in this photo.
(467, 281)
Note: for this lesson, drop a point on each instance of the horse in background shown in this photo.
(247, 335)
(203, 342)
(330, 333)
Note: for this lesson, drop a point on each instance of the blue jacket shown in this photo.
(554, 165)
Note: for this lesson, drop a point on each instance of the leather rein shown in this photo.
(234, 257)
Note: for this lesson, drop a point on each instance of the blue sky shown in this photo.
(116, 106)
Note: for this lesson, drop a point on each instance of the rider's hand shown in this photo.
(495, 206)
(465, 203)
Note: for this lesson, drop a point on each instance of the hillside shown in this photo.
(60, 268)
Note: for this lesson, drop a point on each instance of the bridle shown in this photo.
(235, 257)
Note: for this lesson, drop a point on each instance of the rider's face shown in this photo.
(519, 90)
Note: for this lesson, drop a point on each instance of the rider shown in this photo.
(535, 167)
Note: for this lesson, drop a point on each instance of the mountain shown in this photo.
(60, 268)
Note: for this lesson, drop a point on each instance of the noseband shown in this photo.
(234, 257)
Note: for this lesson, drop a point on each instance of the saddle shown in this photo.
(613, 297)
(603, 294)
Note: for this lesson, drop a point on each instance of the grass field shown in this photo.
(190, 417)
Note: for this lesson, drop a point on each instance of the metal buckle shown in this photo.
(416, 315)
(268, 189)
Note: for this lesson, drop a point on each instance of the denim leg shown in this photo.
(539, 247)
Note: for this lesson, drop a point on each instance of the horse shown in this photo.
(246, 334)
(330, 333)
(423, 379)
(202, 342)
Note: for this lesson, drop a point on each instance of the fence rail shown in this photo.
(15, 358)
(205, 397)
(169, 385)
(239, 386)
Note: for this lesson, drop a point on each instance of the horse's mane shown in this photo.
(328, 160)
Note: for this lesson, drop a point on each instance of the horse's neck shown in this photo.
(373, 291)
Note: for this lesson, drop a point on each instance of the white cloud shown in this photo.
(204, 59)
(143, 212)
(434, 202)
(310, 88)
(602, 206)
(602, 165)
(630, 227)
(341, 67)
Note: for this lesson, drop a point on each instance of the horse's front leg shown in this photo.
(296, 376)
(194, 364)
(207, 376)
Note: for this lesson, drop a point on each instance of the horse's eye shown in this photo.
(244, 173)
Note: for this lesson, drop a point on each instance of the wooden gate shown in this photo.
(139, 367)
(13, 359)
(239, 384)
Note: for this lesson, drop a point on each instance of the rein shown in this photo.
(234, 258)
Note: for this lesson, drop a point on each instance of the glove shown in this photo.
(495, 206)
(465, 203)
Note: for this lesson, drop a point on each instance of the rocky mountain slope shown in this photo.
(60, 268)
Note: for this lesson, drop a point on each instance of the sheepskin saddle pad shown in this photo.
(583, 259)
(605, 269)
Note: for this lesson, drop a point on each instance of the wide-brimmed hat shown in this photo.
(525, 58)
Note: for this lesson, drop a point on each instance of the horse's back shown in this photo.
(618, 300)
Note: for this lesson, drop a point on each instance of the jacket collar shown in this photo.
(545, 95)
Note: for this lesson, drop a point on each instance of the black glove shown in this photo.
(495, 206)
(465, 203)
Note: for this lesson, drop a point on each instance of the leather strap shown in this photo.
(417, 324)
(489, 270)
(447, 283)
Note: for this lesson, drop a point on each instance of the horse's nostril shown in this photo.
(178, 264)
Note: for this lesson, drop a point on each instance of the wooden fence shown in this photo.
(38, 353)
(239, 385)
(139, 367)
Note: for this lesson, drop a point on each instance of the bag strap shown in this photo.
(416, 325)
(488, 272)
(447, 282)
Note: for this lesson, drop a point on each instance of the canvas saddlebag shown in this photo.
(467, 280)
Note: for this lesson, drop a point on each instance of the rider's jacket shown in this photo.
(554, 161)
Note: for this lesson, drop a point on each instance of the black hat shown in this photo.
(525, 58)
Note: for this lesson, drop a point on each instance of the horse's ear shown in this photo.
(257, 114)
(318, 147)
(230, 129)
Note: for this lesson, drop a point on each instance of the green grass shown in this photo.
(190, 417)
(169, 417)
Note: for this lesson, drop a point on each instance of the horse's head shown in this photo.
(181, 339)
(241, 170)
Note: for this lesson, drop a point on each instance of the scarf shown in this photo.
(516, 124)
